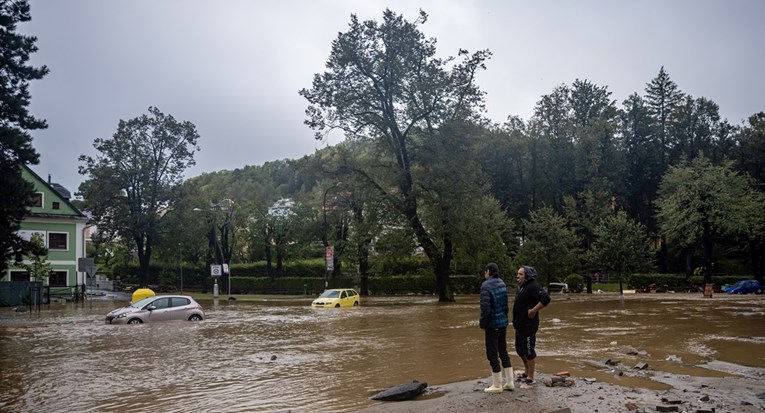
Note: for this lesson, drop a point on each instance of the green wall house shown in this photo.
(62, 226)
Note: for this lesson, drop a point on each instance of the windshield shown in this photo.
(142, 302)
(330, 294)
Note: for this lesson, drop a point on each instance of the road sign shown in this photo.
(88, 266)
(216, 270)
(330, 257)
(225, 268)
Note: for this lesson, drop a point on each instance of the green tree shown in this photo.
(643, 164)
(550, 246)
(38, 266)
(749, 152)
(696, 128)
(662, 97)
(383, 83)
(15, 123)
(698, 202)
(620, 247)
(130, 183)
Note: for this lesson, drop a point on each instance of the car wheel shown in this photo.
(135, 321)
(195, 317)
(337, 305)
(355, 303)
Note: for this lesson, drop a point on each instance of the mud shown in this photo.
(729, 393)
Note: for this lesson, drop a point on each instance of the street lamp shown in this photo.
(328, 253)
(180, 264)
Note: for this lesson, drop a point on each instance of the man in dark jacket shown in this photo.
(494, 322)
(529, 299)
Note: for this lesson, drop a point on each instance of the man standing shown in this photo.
(494, 322)
(529, 299)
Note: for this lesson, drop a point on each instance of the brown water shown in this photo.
(279, 354)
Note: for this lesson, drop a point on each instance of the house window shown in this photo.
(58, 240)
(19, 276)
(37, 200)
(57, 278)
(56, 205)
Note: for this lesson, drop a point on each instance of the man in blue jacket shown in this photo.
(494, 322)
(529, 299)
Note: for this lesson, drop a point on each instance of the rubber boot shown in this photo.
(496, 386)
(509, 378)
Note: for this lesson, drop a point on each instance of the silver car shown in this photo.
(157, 308)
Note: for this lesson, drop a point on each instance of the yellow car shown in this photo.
(339, 297)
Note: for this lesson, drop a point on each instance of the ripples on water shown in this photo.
(281, 354)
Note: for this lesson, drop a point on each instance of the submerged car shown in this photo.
(338, 297)
(158, 308)
(745, 287)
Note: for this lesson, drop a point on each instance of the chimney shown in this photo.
(48, 179)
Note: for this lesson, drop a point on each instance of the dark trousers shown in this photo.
(496, 348)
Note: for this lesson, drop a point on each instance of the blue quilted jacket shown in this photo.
(493, 304)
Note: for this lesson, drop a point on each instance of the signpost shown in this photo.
(329, 254)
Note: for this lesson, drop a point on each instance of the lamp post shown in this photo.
(180, 264)
(328, 252)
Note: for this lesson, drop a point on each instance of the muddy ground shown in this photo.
(741, 393)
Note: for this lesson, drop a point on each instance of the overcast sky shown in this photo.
(234, 68)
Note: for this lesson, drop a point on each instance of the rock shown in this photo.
(705, 398)
(629, 350)
(566, 410)
(673, 357)
(671, 401)
(667, 409)
(761, 396)
(641, 366)
(401, 391)
(273, 357)
(558, 381)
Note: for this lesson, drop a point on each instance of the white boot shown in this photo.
(496, 386)
(509, 379)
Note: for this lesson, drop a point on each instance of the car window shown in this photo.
(330, 294)
(161, 303)
(345, 294)
(351, 293)
(178, 301)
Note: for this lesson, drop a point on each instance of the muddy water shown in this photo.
(279, 354)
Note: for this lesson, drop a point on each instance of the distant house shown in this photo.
(63, 228)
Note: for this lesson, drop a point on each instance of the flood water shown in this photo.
(279, 354)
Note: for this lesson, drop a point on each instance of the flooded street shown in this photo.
(280, 354)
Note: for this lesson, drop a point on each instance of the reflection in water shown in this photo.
(280, 354)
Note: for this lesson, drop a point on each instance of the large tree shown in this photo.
(130, 183)
(700, 202)
(384, 83)
(15, 123)
(550, 246)
(621, 247)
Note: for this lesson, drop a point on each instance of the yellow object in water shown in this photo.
(142, 293)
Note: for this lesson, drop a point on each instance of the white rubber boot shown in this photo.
(496, 386)
(509, 379)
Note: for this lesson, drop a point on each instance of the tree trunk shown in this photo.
(363, 253)
(143, 249)
(708, 240)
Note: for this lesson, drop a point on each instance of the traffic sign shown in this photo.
(216, 270)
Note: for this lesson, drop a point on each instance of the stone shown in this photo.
(641, 366)
(566, 410)
(401, 392)
(667, 409)
(671, 401)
